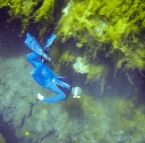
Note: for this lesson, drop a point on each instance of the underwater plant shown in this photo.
(105, 33)
(106, 30)
(117, 25)
(2, 140)
(31, 11)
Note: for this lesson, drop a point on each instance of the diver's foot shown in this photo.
(40, 97)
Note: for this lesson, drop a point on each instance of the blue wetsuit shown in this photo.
(44, 76)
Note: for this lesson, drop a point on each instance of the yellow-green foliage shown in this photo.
(75, 19)
(112, 28)
(45, 11)
(96, 72)
(26, 10)
(61, 56)
(117, 23)
(134, 56)
(3, 3)
(65, 59)
(115, 19)
(2, 140)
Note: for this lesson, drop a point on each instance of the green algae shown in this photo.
(114, 119)
(38, 11)
(116, 23)
(111, 29)
(2, 140)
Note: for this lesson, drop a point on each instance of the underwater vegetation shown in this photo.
(108, 34)
(106, 29)
(111, 119)
(2, 140)
(36, 11)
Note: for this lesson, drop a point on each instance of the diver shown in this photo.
(44, 76)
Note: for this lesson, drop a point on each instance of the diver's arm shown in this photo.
(57, 98)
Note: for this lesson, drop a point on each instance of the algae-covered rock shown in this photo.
(110, 33)
(81, 66)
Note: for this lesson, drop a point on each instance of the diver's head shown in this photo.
(76, 92)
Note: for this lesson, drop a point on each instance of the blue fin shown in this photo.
(49, 42)
(31, 43)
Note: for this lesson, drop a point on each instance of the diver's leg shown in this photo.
(37, 70)
(33, 58)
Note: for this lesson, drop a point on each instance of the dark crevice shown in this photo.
(7, 132)
(31, 108)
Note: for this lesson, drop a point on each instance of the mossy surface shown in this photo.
(102, 30)
(112, 119)
(119, 23)
(31, 11)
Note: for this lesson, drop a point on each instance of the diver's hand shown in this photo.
(40, 97)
